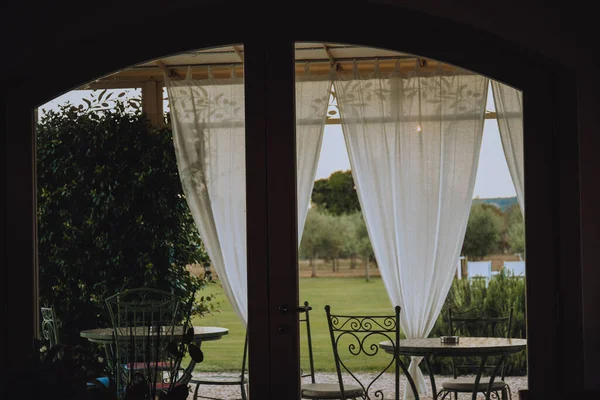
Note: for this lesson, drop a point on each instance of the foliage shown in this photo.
(503, 203)
(516, 238)
(336, 194)
(513, 215)
(320, 236)
(483, 231)
(356, 238)
(310, 242)
(331, 237)
(61, 372)
(111, 212)
(515, 230)
(502, 293)
(349, 225)
(495, 225)
(72, 372)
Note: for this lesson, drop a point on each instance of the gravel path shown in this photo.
(384, 383)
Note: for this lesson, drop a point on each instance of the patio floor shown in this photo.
(385, 383)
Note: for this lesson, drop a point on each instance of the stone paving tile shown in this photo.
(384, 383)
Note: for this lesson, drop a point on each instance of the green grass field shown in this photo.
(344, 295)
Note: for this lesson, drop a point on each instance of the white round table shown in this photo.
(105, 336)
(201, 334)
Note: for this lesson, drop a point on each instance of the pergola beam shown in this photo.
(223, 71)
(239, 53)
(150, 77)
(166, 69)
(163, 67)
(113, 84)
(329, 54)
(152, 102)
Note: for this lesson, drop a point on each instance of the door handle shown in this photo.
(284, 309)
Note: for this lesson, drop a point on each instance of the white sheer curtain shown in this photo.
(209, 137)
(509, 112)
(312, 100)
(413, 139)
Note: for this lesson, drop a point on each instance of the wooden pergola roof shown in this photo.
(219, 62)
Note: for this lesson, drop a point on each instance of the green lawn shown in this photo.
(344, 295)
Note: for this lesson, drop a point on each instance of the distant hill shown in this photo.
(501, 202)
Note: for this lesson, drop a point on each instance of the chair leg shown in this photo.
(505, 394)
(243, 388)
(196, 391)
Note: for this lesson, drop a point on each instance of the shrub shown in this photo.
(503, 292)
(111, 212)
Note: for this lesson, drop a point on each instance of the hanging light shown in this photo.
(419, 129)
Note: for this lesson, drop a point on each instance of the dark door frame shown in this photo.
(552, 186)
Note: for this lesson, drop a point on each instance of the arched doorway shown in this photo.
(272, 55)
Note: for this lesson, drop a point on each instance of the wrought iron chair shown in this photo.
(353, 337)
(483, 323)
(144, 328)
(49, 326)
(311, 369)
(314, 390)
(225, 380)
(50, 331)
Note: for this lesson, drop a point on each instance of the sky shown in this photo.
(493, 178)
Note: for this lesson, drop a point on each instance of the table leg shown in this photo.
(431, 377)
(478, 377)
(110, 360)
(187, 373)
(494, 373)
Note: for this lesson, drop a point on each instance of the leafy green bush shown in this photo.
(111, 212)
(503, 293)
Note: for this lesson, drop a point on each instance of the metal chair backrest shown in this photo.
(478, 322)
(49, 326)
(144, 325)
(305, 317)
(354, 338)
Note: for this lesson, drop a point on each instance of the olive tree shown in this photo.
(483, 231)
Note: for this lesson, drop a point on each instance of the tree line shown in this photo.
(335, 227)
(334, 237)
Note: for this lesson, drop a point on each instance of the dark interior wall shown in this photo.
(49, 48)
(77, 43)
(589, 129)
(537, 26)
